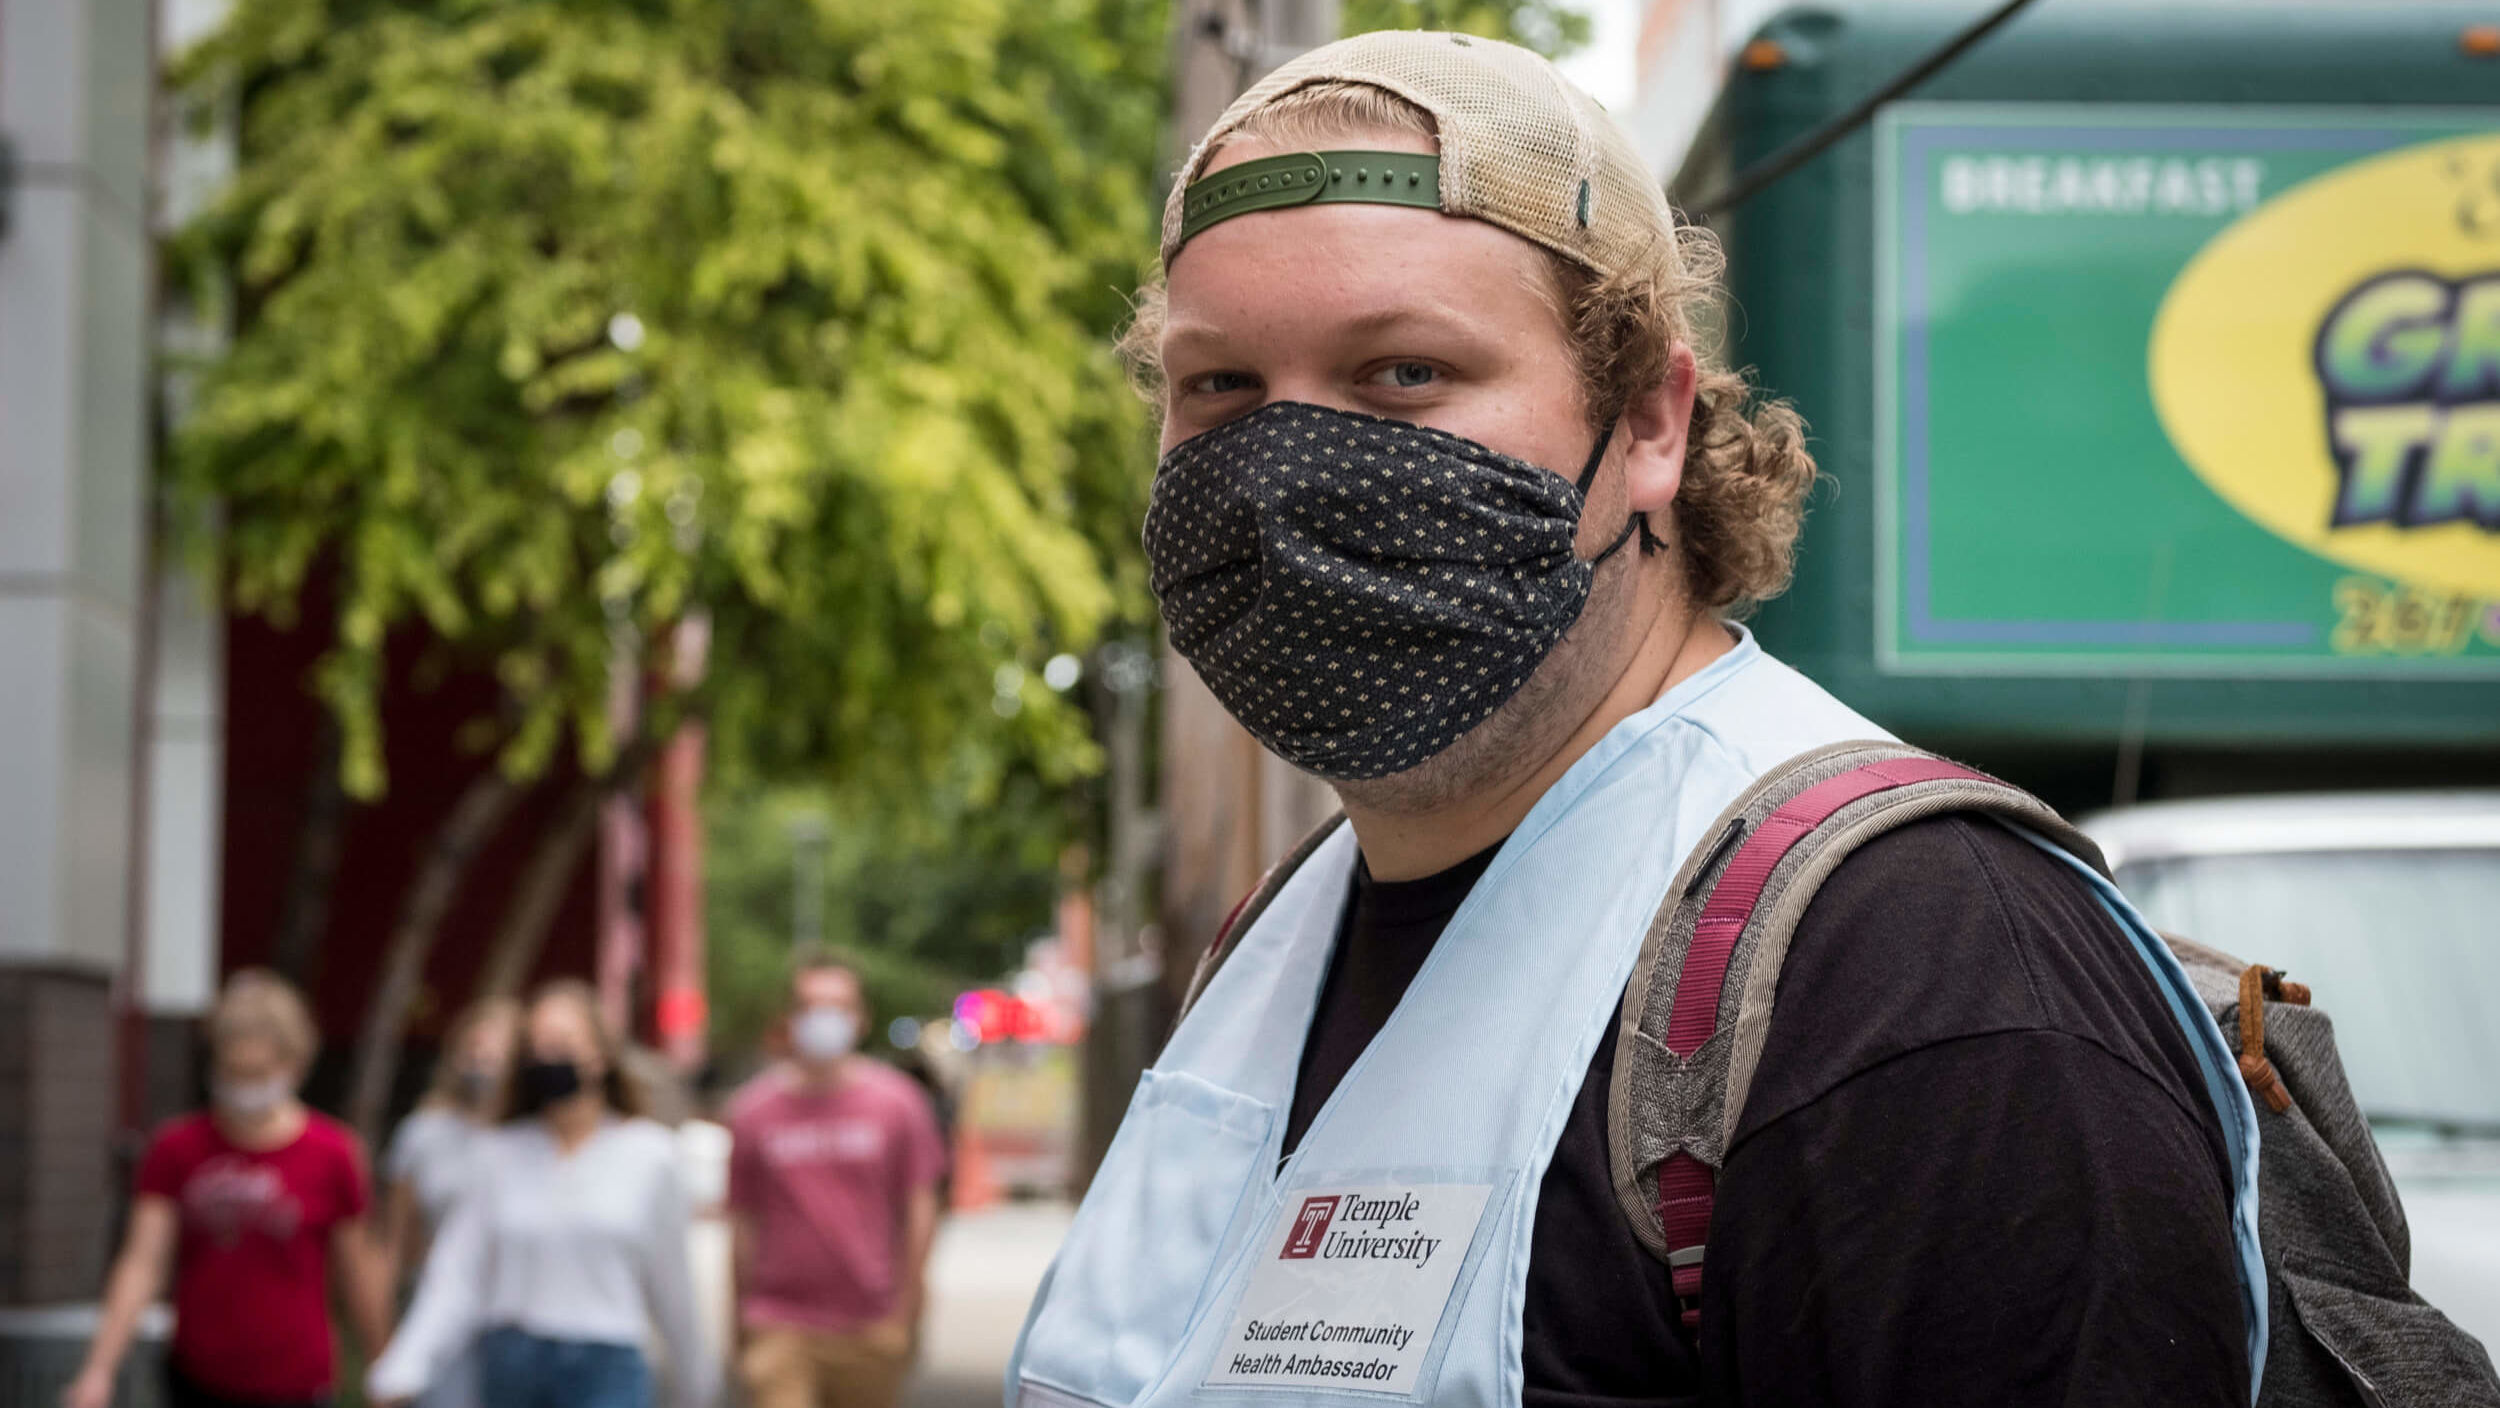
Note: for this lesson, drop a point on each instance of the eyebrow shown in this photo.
(1437, 319)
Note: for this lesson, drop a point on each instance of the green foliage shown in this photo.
(1551, 27)
(557, 321)
(931, 899)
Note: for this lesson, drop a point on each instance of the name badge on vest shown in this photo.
(1350, 1287)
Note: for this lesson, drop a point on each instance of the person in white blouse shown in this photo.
(567, 1245)
(428, 1159)
(434, 1150)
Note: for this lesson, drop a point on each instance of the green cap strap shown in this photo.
(1310, 178)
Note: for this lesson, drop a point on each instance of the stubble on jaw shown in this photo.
(1528, 729)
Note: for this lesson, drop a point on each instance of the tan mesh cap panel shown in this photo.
(1520, 146)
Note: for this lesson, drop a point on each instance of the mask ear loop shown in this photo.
(1650, 542)
(1597, 456)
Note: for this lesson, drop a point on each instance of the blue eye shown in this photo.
(1411, 374)
(1224, 383)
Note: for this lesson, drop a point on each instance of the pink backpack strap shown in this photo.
(1699, 1004)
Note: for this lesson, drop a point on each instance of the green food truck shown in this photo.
(2153, 353)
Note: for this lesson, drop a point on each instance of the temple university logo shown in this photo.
(1309, 1226)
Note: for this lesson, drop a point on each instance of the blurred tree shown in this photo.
(557, 322)
(552, 317)
(1550, 27)
(930, 902)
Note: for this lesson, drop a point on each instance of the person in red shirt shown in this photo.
(246, 1207)
(833, 1172)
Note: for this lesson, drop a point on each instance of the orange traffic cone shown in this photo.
(975, 1187)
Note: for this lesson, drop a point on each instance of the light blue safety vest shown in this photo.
(1388, 1257)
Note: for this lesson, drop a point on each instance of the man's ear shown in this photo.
(1656, 425)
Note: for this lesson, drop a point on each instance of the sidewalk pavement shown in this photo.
(982, 1275)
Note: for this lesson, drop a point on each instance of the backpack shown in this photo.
(2346, 1328)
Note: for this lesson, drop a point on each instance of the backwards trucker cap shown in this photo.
(1520, 148)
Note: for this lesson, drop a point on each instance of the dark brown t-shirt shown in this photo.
(1977, 1166)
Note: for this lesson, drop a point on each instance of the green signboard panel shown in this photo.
(2206, 391)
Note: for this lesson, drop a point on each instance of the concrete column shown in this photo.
(75, 77)
(182, 815)
(186, 787)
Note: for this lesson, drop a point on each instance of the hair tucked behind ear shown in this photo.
(1746, 468)
(1746, 477)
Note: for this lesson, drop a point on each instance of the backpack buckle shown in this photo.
(1684, 1274)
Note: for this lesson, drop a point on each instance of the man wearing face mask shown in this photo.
(1453, 514)
(833, 1171)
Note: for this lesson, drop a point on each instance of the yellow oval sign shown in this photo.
(2330, 365)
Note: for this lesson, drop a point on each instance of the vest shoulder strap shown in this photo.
(1698, 1006)
(1248, 911)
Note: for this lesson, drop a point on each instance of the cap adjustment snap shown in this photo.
(1310, 178)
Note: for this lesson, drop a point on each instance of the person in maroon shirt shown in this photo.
(245, 1208)
(833, 1172)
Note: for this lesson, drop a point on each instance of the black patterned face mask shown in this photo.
(1361, 592)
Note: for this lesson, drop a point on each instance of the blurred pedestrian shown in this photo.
(432, 1153)
(247, 1207)
(568, 1241)
(703, 1161)
(833, 1175)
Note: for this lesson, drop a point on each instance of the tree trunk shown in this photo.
(296, 951)
(522, 936)
(456, 842)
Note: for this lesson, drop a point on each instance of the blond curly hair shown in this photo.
(1747, 471)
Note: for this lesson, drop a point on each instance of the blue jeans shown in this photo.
(517, 1369)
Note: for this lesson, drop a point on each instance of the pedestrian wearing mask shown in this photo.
(431, 1155)
(567, 1243)
(1456, 511)
(249, 1208)
(833, 1172)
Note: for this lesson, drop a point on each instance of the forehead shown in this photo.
(558, 1017)
(1322, 268)
(815, 985)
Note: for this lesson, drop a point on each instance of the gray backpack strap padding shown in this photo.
(1660, 1104)
(2216, 975)
(1246, 913)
